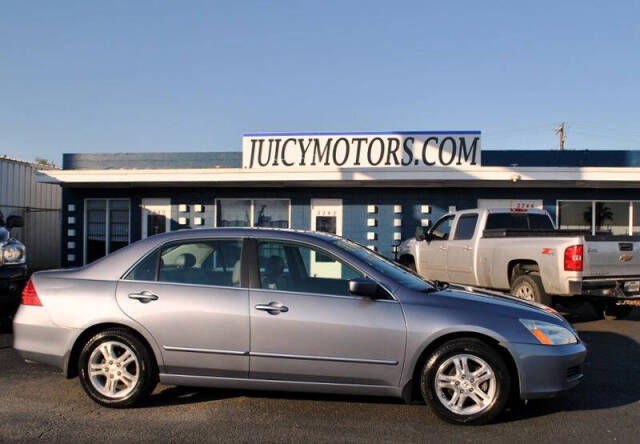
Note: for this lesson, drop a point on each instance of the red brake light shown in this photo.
(573, 258)
(29, 295)
(518, 210)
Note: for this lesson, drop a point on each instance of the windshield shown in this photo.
(399, 274)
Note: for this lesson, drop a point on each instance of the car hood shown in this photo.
(469, 296)
(501, 297)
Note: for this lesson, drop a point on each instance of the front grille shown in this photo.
(573, 371)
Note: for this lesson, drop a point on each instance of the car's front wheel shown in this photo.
(466, 381)
(116, 369)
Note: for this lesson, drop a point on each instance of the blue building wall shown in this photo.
(233, 159)
(355, 202)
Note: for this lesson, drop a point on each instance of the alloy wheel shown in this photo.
(465, 384)
(113, 369)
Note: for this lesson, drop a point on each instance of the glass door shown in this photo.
(156, 216)
(326, 217)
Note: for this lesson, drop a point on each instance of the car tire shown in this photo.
(611, 311)
(117, 369)
(529, 288)
(454, 396)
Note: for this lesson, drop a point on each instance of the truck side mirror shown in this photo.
(15, 222)
(420, 234)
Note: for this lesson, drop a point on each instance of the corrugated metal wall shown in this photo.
(39, 204)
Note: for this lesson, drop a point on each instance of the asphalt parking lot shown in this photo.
(38, 404)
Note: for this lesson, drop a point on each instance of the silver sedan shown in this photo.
(289, 310)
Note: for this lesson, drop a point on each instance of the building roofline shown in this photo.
(575, 176)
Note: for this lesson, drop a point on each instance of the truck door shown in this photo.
(432, 252)
(460, 254)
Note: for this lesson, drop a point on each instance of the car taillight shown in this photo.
(29, 295)
(573, 258)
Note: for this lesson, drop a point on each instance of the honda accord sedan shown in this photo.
(276, 309)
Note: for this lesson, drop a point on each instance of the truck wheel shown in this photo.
(611, 311)
(529, 288)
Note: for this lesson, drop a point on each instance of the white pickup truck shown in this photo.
(519, 250)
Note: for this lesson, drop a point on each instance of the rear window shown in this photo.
(521, 221)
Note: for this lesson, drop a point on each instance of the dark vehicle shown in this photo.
(13, 261)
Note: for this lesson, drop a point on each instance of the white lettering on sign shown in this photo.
(411, 149)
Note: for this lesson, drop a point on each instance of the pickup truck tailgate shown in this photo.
(612, 258)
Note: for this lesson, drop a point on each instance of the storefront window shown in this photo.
(96, 238)
(271, 213)
(574, 215)
(253, 213)
(612, 217)
(107, 227)
(234, 213)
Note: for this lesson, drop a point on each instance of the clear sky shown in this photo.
(127, 76)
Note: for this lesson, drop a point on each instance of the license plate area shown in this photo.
(632, 287)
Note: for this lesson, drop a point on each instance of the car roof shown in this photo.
(278, 233)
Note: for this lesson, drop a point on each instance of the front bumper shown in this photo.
(12, 279)
(546, 370)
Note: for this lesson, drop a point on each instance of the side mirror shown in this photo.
(420, 234)
(15, 222)
(364, 287)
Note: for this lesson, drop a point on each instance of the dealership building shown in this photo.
(374, 188)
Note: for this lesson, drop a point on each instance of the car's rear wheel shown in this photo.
(529, 288)
(116, 369)
(466, 381)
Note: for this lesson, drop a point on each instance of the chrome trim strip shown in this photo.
(323, 358)
(207, 350)
(272, 381)
(323, 295)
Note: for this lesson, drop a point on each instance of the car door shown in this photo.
(432, 252)
(191, 297)
(460, 254)
(307, 327)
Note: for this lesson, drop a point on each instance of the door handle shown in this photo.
(144, 296)
(443, 248)
(273, 308)
(467, 248)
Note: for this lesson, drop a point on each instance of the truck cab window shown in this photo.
(466, 227)
(442, 228)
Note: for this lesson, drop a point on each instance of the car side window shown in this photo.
(204, 262)
(466, 226)
(145, 270)
(298, 268)
(442, 228)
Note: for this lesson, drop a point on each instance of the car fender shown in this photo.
(420, 345)
(124, 321)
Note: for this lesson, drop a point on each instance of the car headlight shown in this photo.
(13, 254)
(549, 334)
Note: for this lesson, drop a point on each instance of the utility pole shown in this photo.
(560, 130)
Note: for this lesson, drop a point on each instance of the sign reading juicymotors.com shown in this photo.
(411, 149)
